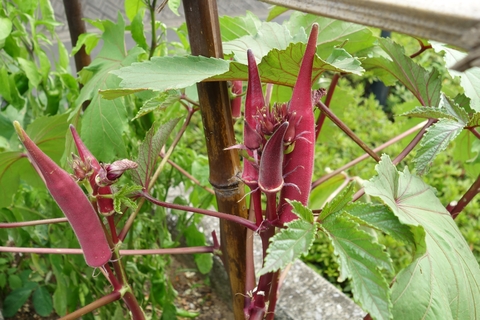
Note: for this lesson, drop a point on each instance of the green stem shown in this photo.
(153, 43)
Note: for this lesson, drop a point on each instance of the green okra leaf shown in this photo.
(445, 270)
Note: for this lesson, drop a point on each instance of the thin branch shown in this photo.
(188, 175)
(184, 250)
(365, 156)
(242, 221)
(422, 49)
(31, 223)
(466, 198)
(402, 154)
(328, 99)
(474, 131)
(103, 301)
(347, 130)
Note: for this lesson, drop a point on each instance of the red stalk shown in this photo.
(104, 204)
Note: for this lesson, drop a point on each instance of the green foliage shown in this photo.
(453, 275)
(386, 253)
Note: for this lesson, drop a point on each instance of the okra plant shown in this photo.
(139, 136)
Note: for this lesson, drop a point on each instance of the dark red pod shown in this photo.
(253, 102)
(72, 201)
(299, 163)
(270, 179)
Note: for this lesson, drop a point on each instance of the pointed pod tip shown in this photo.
(19, 130)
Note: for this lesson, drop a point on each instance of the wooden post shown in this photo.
(204, 34)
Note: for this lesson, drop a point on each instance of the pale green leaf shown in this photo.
(332, 33)
(5, 29)
(435, 140)
(173, 5)
(133, 7)
(89, 40)
(138, 33)
(380, 217)
(159, 102)
(301, 211)
(164, 73)
(337, 203)
(443, 282)
(104, 121)
(424, 85)
(262, 42)
(361, 259)
(235, 27)
(322, 192)
(428, 112)
(111, 94)
(289, 244)
(282, 66)
(275, 12)
(31, 70)
(464, 151)
(469, 80)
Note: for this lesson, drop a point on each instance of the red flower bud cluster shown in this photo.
(280, 140)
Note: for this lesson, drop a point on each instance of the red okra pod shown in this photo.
(72, 201)
(299, 163)
(270, 179)
(254, 101)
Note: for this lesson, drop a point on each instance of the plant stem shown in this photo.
(466, 198)
(272, 300)
(328, 99)
(330, 175)
(187, 250)
(474, 131)
(132, 304)
(32, 223)
(421, 50)
(153, 42)
(241, 221)
(402, 154)
(111, 277)
(347, 130)
(113, 296)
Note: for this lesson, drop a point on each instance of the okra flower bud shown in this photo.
(104, 204)
(109, 173)
(72, 201)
